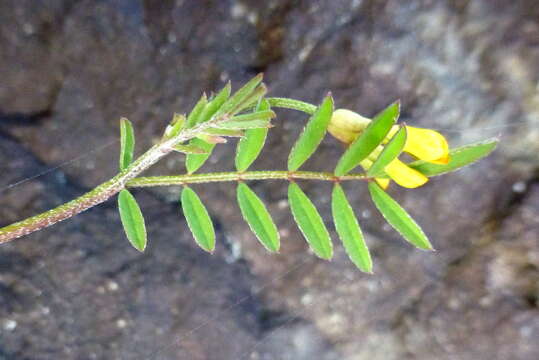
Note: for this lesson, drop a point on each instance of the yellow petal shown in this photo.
(441, 161)
(427, 144)
(404, 175)
(384, 183)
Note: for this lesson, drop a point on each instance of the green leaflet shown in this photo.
(245, 124)
(193, 162)
(312, 135)
(233, 104)
(255, 120)
(189, 149)
(132, 220)
(211, 139)
(398, 218)
(257, 216)
(369, 139)
(175, 126)
(257, 115)
(250, 146)
(460, 157)
(252, 100)
(194, 115)
(127, 143)
(215, 104)
(349, 231)
(198, 219)
(224, 132)
(309, 222)
(391, 151)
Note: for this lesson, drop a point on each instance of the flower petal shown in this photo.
(404, 175)
(384, 183)
(441, 161)
(426, 144)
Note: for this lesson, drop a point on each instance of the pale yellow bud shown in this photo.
(346, 125)
(349, 120)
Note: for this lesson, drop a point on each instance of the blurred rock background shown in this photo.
(70, 69)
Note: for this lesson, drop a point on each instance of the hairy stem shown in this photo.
(292, 104)
(128, 177)
(239, 176)
(104, 191)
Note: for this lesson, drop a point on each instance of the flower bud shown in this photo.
(346, 125)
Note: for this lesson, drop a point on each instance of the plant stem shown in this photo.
(237, 176)
(104, 191)
(108, 189)
(292, 104)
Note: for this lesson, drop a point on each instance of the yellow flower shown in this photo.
(424, 144)
(404, 175)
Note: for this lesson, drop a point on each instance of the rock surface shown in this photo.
(70, 69)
